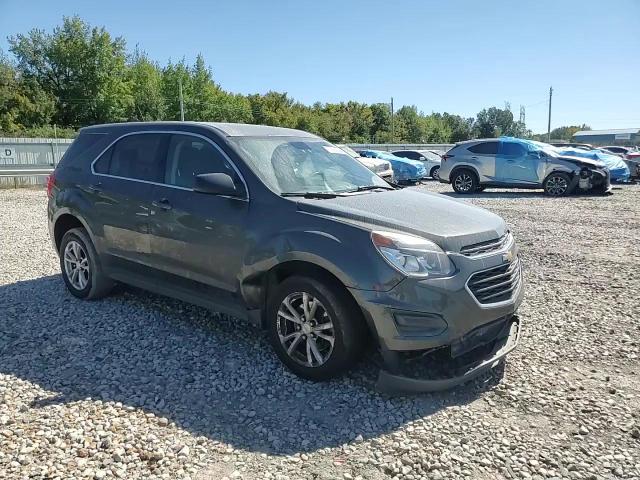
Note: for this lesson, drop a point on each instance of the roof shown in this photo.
(227, 129)
(618, 131)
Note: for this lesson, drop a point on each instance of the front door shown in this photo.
(515, 165)
(198, 237)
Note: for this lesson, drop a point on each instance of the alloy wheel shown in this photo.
(76, 265)
(463, 182)
(436, 173)
(557, 186)
(305, 329)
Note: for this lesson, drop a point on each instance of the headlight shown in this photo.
(411, 255)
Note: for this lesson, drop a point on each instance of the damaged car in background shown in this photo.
(507, 162)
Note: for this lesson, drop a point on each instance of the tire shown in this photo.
(348, 330)
(464, 181)
(89, 283)
(557, 184)
(435, 173)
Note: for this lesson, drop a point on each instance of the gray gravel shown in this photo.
(139, 386)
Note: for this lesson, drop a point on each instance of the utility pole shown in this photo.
(549, 124)
(392, 131)
(181, 100)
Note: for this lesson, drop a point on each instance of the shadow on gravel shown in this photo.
(207, 373)
(498, 194)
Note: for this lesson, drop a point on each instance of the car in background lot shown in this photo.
(585, 146)
(631, 156)
(279, 227)
(404, 169)
(430, 159)
(378, 166)
(618, 169)
(513, 163)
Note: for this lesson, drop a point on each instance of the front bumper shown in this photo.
(418, 317)
(394, 381)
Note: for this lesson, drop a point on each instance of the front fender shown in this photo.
(347, 254)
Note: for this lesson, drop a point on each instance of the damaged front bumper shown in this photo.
(397, 376)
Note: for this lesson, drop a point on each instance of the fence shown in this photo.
(28, 161)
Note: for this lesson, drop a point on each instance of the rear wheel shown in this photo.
(435, 173)
(80, 265)
(557, 184)
(464, 181)
(314, 328)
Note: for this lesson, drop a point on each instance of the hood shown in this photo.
(371, 162)
(581, 161)
(450, 223)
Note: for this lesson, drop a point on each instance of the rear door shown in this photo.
(483, 157)
(122, 192)
(199, 237)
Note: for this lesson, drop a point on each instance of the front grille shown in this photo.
(497, 284)
(486, 247)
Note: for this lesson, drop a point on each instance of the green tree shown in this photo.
(23, 104)
(82, 68)
(145, 78)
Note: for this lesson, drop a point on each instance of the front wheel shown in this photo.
(435, 173)
(464, 181)
(557, 184)
(315, 329)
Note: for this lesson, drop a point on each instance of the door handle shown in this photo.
(510, 161)
(162, 204)
(95, 188)
(474, 158)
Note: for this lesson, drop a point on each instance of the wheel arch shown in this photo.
(457, 168)
(66, 220)
(298, 267)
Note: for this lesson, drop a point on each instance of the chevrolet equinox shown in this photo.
(281, 228)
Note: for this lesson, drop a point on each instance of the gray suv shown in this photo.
(513, 163)
(285, 230)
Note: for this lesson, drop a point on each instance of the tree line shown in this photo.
(80, 75)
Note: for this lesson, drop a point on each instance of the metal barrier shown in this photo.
(28, 161)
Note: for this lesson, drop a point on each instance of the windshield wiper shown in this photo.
(309, 194)
(364, 188)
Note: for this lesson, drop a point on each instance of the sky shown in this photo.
(458, 56)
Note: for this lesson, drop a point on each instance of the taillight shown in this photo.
(51, 181)
(445, 156)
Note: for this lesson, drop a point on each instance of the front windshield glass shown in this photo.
(301, 165)
(429, 155)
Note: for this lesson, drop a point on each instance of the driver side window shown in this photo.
(189, 156)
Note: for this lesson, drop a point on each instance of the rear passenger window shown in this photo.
(485, 148)
(138, 157)
(189, 156)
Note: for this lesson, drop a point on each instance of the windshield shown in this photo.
(301, 165)
(429, 155)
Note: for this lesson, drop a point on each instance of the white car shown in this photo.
(380, 167)
(430, 158)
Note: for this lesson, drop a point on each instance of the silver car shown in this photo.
(376, 165)
(513, 163)
(430, 158)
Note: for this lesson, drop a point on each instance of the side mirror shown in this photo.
(215, 184)
(422, 159)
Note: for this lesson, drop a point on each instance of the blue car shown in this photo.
(618, 169)
(404, 169)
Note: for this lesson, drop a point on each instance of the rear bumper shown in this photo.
(392, 380)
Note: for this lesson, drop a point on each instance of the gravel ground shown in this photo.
(139, 386)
